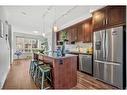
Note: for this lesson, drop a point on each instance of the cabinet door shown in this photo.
(87, 28)
(80, 33)
(69, 36)
(75, 36)
(57, 37)
(99, 19)
(72, 34)
(116, 15)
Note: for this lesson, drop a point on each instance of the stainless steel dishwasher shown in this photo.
(85, 63)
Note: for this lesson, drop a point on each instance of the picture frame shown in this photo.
(1, 29)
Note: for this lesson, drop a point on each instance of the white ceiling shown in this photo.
(30, 18)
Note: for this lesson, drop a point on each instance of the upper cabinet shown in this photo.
(69, 37)
(108, 16)
(116, 15)
(87, 29)
(73, 33)
(80, 33)
(99, 18)
(57, 37)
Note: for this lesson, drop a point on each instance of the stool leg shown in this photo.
(31, 67)
(42, 81)
(35, 73)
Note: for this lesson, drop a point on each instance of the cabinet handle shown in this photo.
(106, 21)
(103, 22)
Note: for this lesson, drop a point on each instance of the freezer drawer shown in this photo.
(85, 63)
(114, 75)
(109, 72)
(98, 70)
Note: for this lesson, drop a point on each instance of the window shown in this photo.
(26, 45)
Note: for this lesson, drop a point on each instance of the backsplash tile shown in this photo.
(73, 47)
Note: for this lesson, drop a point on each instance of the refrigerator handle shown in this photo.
(105, 45)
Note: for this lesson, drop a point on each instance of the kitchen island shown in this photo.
(64, 69)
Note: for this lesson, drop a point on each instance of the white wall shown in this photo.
(4, 53)
(50, 38)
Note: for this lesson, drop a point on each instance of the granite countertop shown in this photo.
(53, 55)
(79, 53)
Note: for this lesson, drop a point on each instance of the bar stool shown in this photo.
(39, 63)
(44, 75)
(33, 68)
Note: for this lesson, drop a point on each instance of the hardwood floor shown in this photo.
(19, 78)
(88, 82)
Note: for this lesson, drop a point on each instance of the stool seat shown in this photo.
(44, 68)
(45, 72)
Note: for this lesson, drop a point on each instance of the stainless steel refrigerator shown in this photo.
(109, 57)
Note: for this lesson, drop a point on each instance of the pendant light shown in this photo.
(43, 34)
(55, 27)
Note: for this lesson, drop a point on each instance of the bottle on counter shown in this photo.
(90, 50)
(59, 51)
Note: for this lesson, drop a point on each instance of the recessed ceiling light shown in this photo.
(35, 31)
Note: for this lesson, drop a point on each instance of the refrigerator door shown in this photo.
(99, 70)
(114, 75)
(114, 44)
(108, 72)
(114, 55)
(99, 45)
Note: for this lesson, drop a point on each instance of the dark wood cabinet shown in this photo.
(72, 34)
(109, 16)
(69, 33)
(87, 29)
(99, 17)
(80, 33)
(75, 33)
(57, 37)
(116, 15)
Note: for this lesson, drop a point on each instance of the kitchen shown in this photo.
(89, 54)
(97, 48)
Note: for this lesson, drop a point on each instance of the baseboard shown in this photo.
(4, 78)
